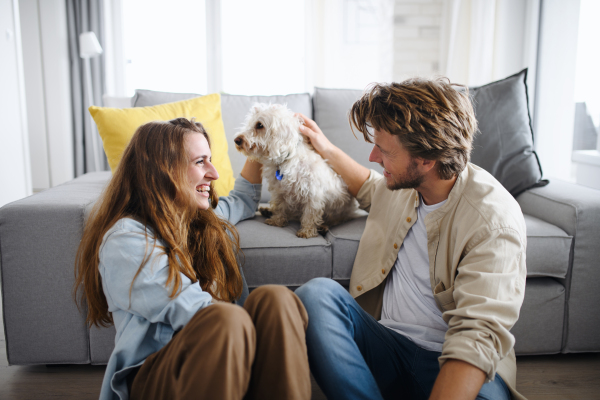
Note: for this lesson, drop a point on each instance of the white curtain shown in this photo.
(486, 40)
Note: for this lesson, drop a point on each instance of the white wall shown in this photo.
(15, 176)
(417, 44)
(47, 85)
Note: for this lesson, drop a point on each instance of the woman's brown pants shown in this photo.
(230, 352)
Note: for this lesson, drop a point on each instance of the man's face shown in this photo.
(400, 169)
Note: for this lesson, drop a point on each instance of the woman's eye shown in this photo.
(200, 162)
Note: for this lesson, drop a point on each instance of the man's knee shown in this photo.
(319, 290)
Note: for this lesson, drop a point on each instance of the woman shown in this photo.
(158, 258)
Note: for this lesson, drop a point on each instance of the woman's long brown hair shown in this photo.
(151, 186)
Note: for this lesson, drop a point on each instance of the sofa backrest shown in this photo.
(329, 108)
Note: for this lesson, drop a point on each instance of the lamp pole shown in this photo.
(90, 47)
(90, 98)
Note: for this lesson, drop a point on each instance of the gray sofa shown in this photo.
(39, 236)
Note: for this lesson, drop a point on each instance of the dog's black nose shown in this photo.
(238, 141)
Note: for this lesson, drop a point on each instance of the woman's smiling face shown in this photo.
(200, 169)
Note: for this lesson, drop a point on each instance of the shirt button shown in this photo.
(395, 245)
(359, 288)
(408, 219)
(382, 270)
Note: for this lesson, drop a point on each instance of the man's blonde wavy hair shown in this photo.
(433, 119)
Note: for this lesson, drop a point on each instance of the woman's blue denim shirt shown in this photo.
(146, 321)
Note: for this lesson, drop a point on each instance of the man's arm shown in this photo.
(351, 172)
(457, 380)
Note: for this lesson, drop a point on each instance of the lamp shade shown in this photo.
(88, 45)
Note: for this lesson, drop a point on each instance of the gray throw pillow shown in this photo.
(504, 146)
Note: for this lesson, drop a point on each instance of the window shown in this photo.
(586, 132)
(587, 78)
(263, 46)
(164, 44)
(266, 47)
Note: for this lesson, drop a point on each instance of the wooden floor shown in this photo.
(555, 377)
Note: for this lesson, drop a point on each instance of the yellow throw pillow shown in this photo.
(117, 125)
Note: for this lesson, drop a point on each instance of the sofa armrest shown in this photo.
(39, 236)
(576, 210)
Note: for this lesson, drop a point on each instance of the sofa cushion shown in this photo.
(331, 107)
(275, 255)
(117, 125)
(344, 239)
(234, 109)
(548, 248)
(504, 146)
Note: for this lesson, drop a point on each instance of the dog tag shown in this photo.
(278, 175)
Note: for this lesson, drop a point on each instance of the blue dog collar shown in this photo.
(278, 175)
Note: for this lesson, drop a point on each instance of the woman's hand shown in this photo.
(252, 171)
(318, 140)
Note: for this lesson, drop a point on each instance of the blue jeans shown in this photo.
(352, 356)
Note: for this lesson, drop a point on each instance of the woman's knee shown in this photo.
(276, 299)
(227, 317)
(275, 294)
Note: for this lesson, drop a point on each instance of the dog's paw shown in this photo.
(307, 232)
(276, 221)
(322, 229)
(265, 212)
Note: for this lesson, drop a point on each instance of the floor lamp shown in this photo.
(90, 48)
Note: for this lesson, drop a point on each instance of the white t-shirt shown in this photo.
(408, 304)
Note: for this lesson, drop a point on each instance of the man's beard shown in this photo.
(410, 180)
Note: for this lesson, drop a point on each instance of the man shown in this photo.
(439, 276)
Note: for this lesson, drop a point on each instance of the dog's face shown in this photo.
(270, 134)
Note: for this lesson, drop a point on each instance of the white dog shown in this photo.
(303, 186)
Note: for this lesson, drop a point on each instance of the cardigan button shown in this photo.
(383, 270)
(395, 245)
(359, 288)
(408, 219)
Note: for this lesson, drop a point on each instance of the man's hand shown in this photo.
(318, 140)
(351, 172)
(457, 380)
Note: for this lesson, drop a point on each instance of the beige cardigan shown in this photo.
(476, 243)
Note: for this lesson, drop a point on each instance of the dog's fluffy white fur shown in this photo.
(309, 191)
